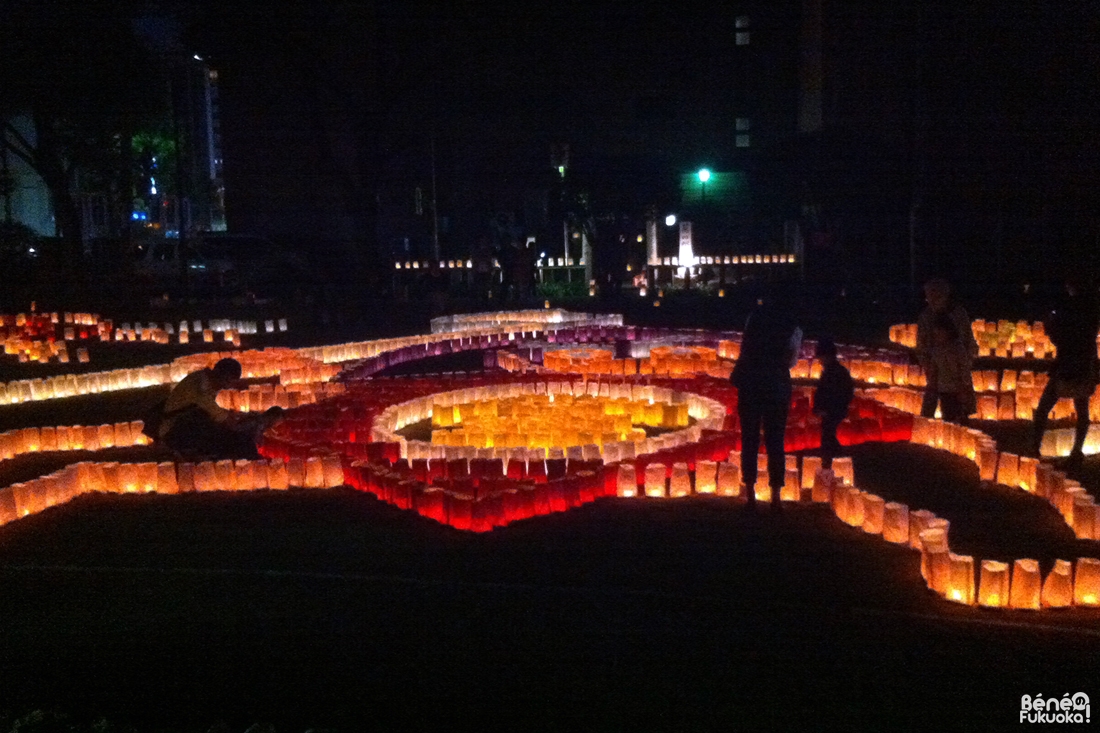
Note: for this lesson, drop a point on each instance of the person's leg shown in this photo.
(775, 430)
(830, 446)
(750, 415)
(951, 408)
(1081, 428)
(1042, 413)
(928, 402)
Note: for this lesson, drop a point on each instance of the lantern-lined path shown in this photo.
(647, 609)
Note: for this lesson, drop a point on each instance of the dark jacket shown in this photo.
(834, 391)
(762, 371)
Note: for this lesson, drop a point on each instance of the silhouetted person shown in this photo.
(831, 399)
(194, 425)
(950, 385)
(1076, 370)
(937, 294)
(769, 348)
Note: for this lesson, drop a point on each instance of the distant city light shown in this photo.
(704, 175)
(197, 57)
(670, 220)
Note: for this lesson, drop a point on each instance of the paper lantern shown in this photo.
(960, 583)
(166, 478)
(810, 466)
(679, 484)
(844, 470)
(706, 481)
(1084, 517)
(792, 490)
(1058, 586)
(314, 473)
(1008, 469)
(822, 486)
(874, 509)
(655, 474)
(1026, 585)
(333, 470)
(1086, 582)
(627, 481)
(225, 474)
(277, 476)
(895, 523)
(918, 522)
(993, 585)
(729, 479)
(185, 477)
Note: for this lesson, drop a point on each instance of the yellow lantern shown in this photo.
(627, 481)
(729, 479)
(823, 483)
(810, 466)
(680, 482)
(874, 509)
(1086, 582)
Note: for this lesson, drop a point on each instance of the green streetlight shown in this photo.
(704, 176)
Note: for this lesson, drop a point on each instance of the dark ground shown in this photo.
(332, 610)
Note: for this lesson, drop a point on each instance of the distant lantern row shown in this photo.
(755, 259)
(1003, 339)
(443, 264)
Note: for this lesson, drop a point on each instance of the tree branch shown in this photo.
(27, 154)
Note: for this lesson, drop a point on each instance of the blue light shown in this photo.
(136, 215)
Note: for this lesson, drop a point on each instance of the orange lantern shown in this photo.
(895, 523)
(166, 478)
(185, 478)
(1026, 584)
(706, 477)
(314, 473)
(822, 486)
(993, 585)
(277, 476)
(810, 467)
(333, 470)
(792, 490)
(296, 472)
(874, 508)
(960, 583)
(1058, 586)
(1086, 582)
(729, 479)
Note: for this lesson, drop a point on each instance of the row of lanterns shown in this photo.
(523, 320)
(71, 437)
(30, 497)
(1004, 339)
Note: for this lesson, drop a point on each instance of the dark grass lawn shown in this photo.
(330, 608)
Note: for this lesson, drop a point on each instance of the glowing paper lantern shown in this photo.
(792, 490)
(810, 467)
(1058, 586)
(706, 481)
(1026, 584)
(627, 482)
(1086, 582)
(993, 585)
(895, 523)
(679, 484)
(960, 584)
(655, 474)
(844, 470)
(729, 479)
(874, 509)
(822, 486)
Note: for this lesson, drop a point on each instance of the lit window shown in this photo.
(743, 124)
(742, 39)
(742, 21)
(742, 141)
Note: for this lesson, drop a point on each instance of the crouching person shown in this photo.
(193, 425)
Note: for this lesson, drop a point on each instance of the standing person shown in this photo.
(1076, 369)
(949, 382)
(937, 295)
(762, 376)
(831, 398)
